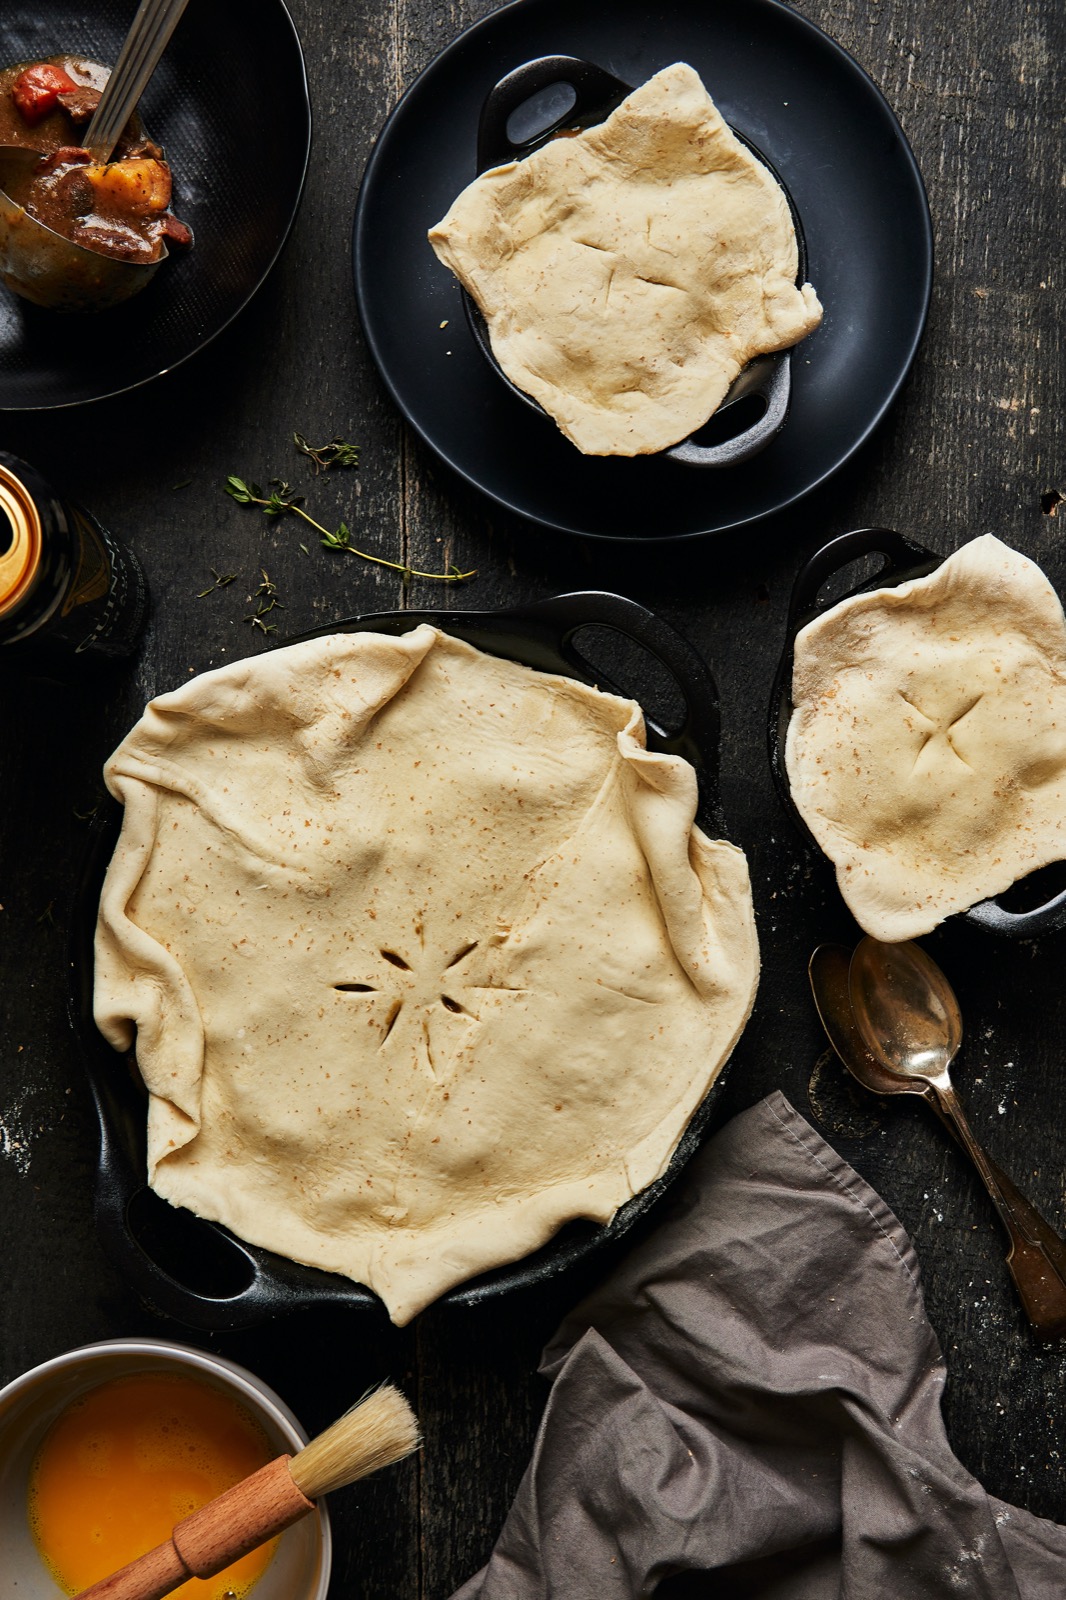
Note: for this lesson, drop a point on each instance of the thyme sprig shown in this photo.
(337, 453)
(282, 498)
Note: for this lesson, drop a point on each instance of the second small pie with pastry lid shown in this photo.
(926, 750)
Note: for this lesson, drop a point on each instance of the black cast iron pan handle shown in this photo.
(596, 94)
(903, 560)
(197, 1272)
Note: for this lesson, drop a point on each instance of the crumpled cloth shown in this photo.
(750, 1407)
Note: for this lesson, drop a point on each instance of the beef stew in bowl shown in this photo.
(58, 201)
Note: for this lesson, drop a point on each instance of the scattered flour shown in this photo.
(16, 1134)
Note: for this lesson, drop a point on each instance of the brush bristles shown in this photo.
(378, 1430)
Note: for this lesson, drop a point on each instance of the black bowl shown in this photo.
(1025, 910)
(197, 1271)
(237, 139)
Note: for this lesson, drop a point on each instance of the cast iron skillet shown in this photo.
(198, 1272)
(532, 105)
(903, 559)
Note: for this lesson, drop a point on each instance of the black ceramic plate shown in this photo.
(229, 103)
(826, 129)
(1034, 905)
(197, 1271)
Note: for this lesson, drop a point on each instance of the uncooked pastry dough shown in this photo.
(927, 748)
(422, 952)
(628, 273)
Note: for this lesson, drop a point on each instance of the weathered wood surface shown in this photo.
(975, 443)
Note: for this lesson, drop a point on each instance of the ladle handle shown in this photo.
(1037, 1256)
(148, 37)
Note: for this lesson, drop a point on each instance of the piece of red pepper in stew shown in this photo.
(36, 91)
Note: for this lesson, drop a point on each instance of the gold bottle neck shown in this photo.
(20, 540)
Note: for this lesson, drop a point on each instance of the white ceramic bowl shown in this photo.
(301, 1565)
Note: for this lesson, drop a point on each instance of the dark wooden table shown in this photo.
(976, 442)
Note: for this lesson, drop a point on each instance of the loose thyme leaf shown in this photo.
(242, 492)
(337, 453)
(221, 580)
(283, 497)
(267, 596)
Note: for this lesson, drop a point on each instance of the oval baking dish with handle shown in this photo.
(902, 560)
(561, 95)
(197, 1271)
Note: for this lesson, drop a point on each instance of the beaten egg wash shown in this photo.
(120, 1466)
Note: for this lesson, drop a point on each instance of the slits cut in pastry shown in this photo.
(421, 950)
(927, 748)
(628, 273)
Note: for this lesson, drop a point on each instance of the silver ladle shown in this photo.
(907, 1026)
(40, 264)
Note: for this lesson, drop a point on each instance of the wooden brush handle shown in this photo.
(222, 1531)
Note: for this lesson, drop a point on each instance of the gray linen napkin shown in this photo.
(749, 1409)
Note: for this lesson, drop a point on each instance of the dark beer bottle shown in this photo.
(65, 582)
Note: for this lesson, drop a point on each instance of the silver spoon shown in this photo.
(908, 1024)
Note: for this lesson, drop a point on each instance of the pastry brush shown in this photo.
(377, 1431)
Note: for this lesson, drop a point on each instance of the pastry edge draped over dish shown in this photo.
(630, 272)
(555, 981)
(926, 751)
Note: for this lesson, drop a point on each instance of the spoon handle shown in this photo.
(1037, 1256)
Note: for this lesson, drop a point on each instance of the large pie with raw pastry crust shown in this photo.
(421, 951)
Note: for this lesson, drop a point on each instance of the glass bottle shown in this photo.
(64, 580)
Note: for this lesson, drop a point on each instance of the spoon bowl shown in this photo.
(905, 1009)
(51, 271)
(828, 971)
